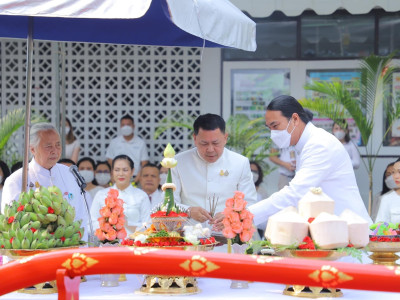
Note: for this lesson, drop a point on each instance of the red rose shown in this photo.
(50, 210)
(373, 238)
(350, 245)
(10, 220)
(307, 239)
(62, 238)
(33, 230)
(20, 208)
(11, 240)
(310, 220)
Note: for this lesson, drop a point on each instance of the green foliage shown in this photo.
(337, 103)
(10, 123)
(247, 137)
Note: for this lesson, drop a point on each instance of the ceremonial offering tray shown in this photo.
(384, 253)
(311, 291)
(169, 223)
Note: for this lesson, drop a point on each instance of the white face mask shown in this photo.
(339, 134)
(281, 138)
(103, 178)
(163, 178)
(87, 175)
(126, 130)
(255, 176)
(390, 183)
(67, 129)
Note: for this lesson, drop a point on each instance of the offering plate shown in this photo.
(311, 291)
(384, 253)
(173, 285)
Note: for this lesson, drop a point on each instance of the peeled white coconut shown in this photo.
(267, 233)
(358, 228)
(287, 228)
(329, 231)
(314, 202)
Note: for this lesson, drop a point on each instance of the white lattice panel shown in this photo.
(104, 82)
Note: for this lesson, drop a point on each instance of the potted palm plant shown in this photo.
(337, 102)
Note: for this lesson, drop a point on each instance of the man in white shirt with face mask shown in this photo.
(322, 161)
(129, 144)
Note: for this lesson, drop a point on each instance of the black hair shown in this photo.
(385, 188)
(87, 159)
(5, 170)
(103, 162)
(288, 105)
(150, 165)
(70, 137)
(309, 113)
(209, 122)
(123, 156)
(260, 173)
(66, 161)
(16, 166)
(127, 117)
(342, 123)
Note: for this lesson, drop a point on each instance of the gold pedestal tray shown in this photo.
(311, 291)
(169, 285)
(384, 253)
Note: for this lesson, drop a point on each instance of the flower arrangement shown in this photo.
(238, 221)
(168, 208)
(112, 219)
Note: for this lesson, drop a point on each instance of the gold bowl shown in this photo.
(169, 223)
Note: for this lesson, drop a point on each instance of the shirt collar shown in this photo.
(122, 191)
(199, 156)
(304, 137)
(38, 169)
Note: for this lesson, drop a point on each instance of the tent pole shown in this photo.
(28, 100)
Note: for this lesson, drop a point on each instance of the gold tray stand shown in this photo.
(311, 292)
(169, 285)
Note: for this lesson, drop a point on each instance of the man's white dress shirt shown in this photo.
(389, 209)
(59, 175)
(351, 149)
(322, 161)
(197, 180)
(136, 206)
(136, 149)
(156, 198)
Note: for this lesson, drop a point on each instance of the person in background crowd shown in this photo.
(257, 177)
(102, 174)
(209, 170)
(17, 165)
(389, 208)
(86, 167)
(43, 169)
(322, 161)
(342, 133)
(129, 144)
(4, 173)
(163, 174)
(149, 182)
(72, 146)
(66, 162)
(388, 185)
(136, 202)
(286, 160)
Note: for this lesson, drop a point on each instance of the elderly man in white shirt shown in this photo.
(128, 144)
(322, 161)
(149, 183)
(45, 146)
(210, 172)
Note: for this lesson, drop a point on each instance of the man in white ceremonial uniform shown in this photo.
(210, 172)
(150, 182)
(45, 146)
(129, 144)
(322, 161)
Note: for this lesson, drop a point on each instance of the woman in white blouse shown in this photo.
(342, 133)
(389, 209)
(136, 202)
(72, 146)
